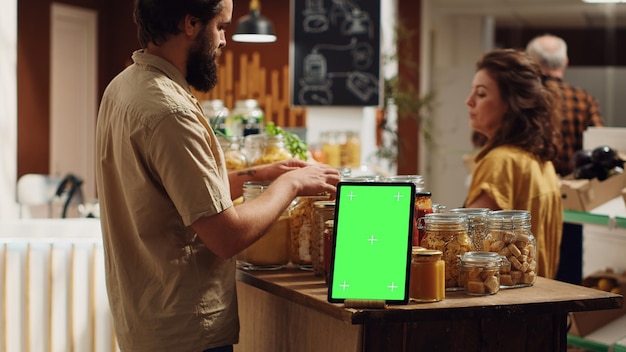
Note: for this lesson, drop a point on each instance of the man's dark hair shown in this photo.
(158, 19)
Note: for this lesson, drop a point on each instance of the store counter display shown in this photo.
(287, 310)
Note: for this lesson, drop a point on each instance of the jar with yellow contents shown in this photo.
(274, 149)
(427, 278)
(448, 233)
(272, 250)
(233, 155)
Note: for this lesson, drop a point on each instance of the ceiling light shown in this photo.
(254, 28)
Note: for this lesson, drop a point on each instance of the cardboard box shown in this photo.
(584, 195)
(584, 323)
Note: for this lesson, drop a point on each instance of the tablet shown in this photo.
(371, 248)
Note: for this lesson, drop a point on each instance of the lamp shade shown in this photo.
(254, 28)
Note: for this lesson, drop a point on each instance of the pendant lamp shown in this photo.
(254, 28)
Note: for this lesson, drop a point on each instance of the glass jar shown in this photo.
(418, 180)
(234, 156)
(331, 147)
(423, 206)
(350, 152)
(216, 115)
(447, 232)
(246, 118)
(329, 228)
(427, 278)
(272, 250)
(323, 210)
(480, 272)
(301, 227)
(477, 222)
(274, 150)
(510, 236)
(253, 147)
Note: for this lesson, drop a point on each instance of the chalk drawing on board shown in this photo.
(354, 21)
(315, 19)
(316, 82)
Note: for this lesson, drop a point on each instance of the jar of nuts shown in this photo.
(447, 232)
(477, 224)
(480, 272)
(510, 236)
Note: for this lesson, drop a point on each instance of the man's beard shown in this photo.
(201, 65)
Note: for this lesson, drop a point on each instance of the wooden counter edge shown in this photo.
(546, 296)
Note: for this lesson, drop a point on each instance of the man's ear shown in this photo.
(191, 25)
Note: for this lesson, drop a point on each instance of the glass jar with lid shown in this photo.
(274, 149)
(447, 232)
(301, 228)
(216, 115)
(234, 156)
(427, 278)
(323, 210)
(350, 150)
(272, 250)
(477, 222)
(247, 117)
(418, 180)
(253, 147)
(480, 272)
(329, 228)
(510, 236)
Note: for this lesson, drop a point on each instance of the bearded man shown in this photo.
(170, 230)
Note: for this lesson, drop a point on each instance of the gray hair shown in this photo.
(549, 51)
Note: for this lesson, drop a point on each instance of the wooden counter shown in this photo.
(287, 310)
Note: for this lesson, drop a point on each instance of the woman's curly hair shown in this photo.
(532, 116)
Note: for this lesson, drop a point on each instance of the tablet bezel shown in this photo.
(334, 298)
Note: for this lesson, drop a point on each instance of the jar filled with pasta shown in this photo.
(510, 236)
(447, 232)
(477, 224)
(301, 229)
(274, 150)
(272, 250)
(234, 157)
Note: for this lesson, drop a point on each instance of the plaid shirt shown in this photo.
(580, 110)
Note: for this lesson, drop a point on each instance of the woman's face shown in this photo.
(486, 107)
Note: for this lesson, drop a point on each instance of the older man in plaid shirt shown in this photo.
(580, 109)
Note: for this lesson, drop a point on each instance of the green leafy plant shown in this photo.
(296, 146)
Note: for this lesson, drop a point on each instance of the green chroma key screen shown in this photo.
(372, 242)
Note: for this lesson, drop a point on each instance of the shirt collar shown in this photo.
(159, 63)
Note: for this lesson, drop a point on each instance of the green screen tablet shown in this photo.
(371, 249)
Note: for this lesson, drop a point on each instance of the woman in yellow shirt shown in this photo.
(514, 110)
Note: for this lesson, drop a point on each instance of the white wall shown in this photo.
(8, 107)
(452, 46)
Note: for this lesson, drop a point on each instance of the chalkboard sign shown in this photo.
(335, 54)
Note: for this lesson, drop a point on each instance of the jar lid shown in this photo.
(256, 185)
(445, 218)
(481, 258)
(471, 211)
(423, 194)
(424, 252)
(324, 204)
